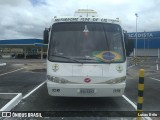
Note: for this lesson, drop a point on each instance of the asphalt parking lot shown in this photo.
(32, 73)
(20, 76)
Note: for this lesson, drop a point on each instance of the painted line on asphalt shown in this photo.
(128, 100)
(33, 90)
(131, 66)
(155, 79)
(13, 102)
(3, 64)
(135, 107)
(11, 72)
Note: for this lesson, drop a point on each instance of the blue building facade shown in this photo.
(20, 41)
(146, 39)
(30, 47)
(148, 43)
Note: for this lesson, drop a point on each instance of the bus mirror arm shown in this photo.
(129, 44)
(46, 35)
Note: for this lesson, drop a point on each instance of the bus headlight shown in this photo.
(116, 80)
(56, 79)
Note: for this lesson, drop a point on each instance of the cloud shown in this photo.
(28, 18)
(13, 3)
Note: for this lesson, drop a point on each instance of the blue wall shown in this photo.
(146, 39)
(21, 41)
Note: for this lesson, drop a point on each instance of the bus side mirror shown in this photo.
(129, 44)
(46, 35)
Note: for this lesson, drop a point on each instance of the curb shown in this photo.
(13, 102)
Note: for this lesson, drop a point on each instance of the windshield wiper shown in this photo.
(85, 58)
(91, 58)
(67, 58)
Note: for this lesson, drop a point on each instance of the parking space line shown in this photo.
(12, 103)
(135, 107)
(155, 79)
(33, 90)
(128, 100)
(3, 64)
(131, 66)
(11, 72)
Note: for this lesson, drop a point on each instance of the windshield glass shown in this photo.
(86, 42)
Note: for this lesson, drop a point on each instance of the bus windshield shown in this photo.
(86, 42)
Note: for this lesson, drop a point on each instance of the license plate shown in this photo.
(87, 91)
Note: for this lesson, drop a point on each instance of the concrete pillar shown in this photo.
(41, 53)
(10, 53)
(158, 53)
(24, 51)
(134, 52)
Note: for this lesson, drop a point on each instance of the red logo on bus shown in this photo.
(87, 80)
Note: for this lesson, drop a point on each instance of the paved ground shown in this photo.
(151, 90)
(23, 80)
(33, 74)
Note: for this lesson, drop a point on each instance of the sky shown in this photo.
(20, 19)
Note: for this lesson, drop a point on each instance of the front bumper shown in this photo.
(74, 90)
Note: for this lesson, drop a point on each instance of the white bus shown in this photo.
(86, 57)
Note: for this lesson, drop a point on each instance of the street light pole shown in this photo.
(136, 34)
(144, 43)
